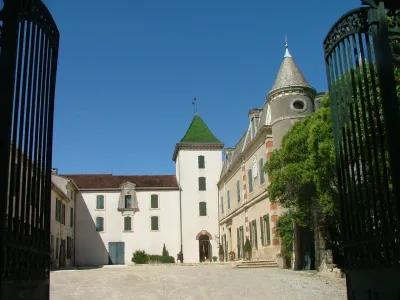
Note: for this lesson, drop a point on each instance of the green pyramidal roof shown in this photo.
(198, 132)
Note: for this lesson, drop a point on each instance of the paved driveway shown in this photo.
(192, 282)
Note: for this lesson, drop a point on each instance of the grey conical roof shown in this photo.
(289, 73)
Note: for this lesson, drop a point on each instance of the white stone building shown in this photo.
(119, 214)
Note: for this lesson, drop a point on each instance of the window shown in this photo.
(69, 246)
(250, 175)
(254, 167)
(253, 234)
(238, 190)
(202, 183)
(57, 247)
(222, 205)
(99, 224)
(154, 223)
(58, 204)
(63, 213)
(71, 217)
(265, 231)
(229, 199)
(261, 167)
(203, 209)
(202, 163)
(100, 202)
(127, 224)
(154, 201)
(128, 201)
(298, 105)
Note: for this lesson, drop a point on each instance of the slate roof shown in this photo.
(104, 181)
(198, 132)
(245, 140)
(289, 74)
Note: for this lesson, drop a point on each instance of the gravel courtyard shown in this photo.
(192, 282)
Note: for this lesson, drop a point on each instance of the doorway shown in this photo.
(116, 253)
(205, 253)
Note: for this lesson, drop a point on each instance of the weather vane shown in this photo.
(194, 105)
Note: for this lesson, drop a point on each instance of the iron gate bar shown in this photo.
(366, 124)
(28, 66)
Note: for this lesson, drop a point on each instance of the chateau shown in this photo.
(207, 203)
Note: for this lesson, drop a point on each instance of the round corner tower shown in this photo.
(290, 99)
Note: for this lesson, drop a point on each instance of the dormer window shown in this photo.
(128, 201)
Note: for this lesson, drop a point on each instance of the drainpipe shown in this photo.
(180, 255)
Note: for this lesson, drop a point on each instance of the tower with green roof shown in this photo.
(198, 161)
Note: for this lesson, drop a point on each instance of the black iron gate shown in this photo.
(28, 64)
(366, 125)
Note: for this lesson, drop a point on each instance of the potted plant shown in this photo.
(221, 253)
(232, 256)
(247, 249)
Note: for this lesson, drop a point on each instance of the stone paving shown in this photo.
(174, 282)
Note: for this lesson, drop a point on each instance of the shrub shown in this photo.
(247, 245)
(154, 258)
(215, 258)
(140, 257)
(167, 259)
(165, 251)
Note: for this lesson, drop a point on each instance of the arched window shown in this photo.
(127, 223)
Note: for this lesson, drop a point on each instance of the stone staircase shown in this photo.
(258, 264)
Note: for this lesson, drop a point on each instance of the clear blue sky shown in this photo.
(128, 70)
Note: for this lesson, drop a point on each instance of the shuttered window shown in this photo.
(99, 224)
(262, 231)
(154, 201)
(202, 183)
(71, 217)
(202, 163)
(127, 224)
(57, 247)
(255, 234)
(261, 168)
(267, 229)
(203, 208)
(100, 202)
(154, 223)
(222, 205)
(250, 175)
(63, 213)
(229, 199)
(238, 190)
(57, 210)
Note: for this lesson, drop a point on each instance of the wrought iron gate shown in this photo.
(28, 64)
(366, 125)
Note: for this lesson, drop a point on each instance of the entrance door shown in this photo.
(204, 248)
(116, 253)
(240, 241)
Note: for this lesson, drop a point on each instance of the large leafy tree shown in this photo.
(303, 170)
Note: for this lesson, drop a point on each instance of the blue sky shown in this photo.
(128, 70)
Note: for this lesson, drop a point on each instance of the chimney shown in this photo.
(254, 113)
(54, 171)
